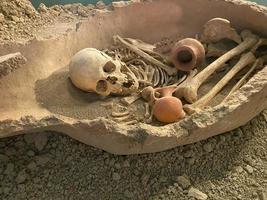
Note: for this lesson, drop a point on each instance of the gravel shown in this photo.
(67, 169)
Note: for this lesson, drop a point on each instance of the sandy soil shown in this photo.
(52, 166)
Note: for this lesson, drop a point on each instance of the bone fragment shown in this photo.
(119, 114)
(147, 110)
(217, 29)
(147, 57)
(244, 61)
(140, 44)
(130, 99)
(132, 122)
(123, 119)
(188, 89)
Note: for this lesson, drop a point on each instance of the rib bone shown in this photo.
(145, 56)
(245, 60)
(189, 88)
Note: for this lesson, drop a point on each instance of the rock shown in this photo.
(184, 182)
(263, 195)
(119, 4)
(197, 194)
(10, 151)
(249, 169)
(40, 141)
(238, 169)
(100, 5)
(10, 170)
(42, 8)
(30, 153)
(19, 144)
(116, 176)
(128, 194)
(15, 18)
(208, 147)
(3, 158)
(2, 18)
(29, 138)
(42, 160)
(32, 166)
(21, 177)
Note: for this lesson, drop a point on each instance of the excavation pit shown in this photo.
(39, 95)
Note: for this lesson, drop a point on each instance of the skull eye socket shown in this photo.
(109, 67)
(102, 86)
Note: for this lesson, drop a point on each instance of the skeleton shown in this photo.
(188, 89)
(94, 71)
(244, 61)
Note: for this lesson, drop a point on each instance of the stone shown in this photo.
(21, 177)
(2, 18)
(238, 169)
(249, 169)
(32, 166)
(208, 147)
(42, 160)
(184, 182)
(10, 151)
(42, 8)
(10, 170)
(263, 195)
(3, 158)
(100, 5)
(116, 176)
(197, 194)
(29, 138)
(40, 141)
(15, 18)
(119, 4)
(30, 153)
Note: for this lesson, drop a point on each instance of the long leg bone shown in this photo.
(145, 56)
(257, 64)
(244, 61)
(189, 88)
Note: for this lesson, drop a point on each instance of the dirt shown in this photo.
(52, 166)
(20, 21)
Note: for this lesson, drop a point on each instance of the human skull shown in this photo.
(94, 71)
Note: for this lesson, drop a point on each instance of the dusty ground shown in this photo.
(52, 166)
(19, 21)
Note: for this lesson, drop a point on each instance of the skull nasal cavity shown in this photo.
(109, 67)
(184, 56)
(102, 86)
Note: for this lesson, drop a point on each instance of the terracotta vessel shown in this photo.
(166, 108)
(187, 54)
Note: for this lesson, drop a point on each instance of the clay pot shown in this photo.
(167, 108)
(187, 54)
